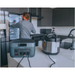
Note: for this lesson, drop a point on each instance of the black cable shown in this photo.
(20, 61)
(28, 61)
(52, 61)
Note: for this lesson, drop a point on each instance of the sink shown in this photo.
(65, 45)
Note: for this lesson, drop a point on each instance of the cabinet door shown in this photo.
(4, 9)
(14, 10)
(35, 11)
(71, 17)
(60, 17)
(47, 14)
(23, 10)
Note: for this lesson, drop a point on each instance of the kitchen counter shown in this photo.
(39, 37)
(64, 59)
(64, 37)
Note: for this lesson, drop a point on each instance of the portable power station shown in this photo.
(26, 47)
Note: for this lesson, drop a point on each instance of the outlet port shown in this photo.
(21, 53)
(24, 53)
(28, 53)
(16, 54)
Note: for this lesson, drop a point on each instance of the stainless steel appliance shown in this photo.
(4, 36)
(51, 44)
(14, 18)
(3, 49)
(14, 33)
(0, 51)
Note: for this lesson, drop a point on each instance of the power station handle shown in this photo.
(22, 44)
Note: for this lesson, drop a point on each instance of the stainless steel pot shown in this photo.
(51, 46)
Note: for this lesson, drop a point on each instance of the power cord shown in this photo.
(28, 61)
(52, 61)
(20, 60)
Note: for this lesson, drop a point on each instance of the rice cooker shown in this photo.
(51, 44)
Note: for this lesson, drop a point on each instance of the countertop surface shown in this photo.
(65, 58)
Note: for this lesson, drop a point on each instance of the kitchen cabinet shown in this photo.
(63, 17)
(71, 17)
(21, 10)
(35, 11)
(48, 16)
(4, 9)
(11, 10)
(47, 20)
(15, 10)
(57, 17)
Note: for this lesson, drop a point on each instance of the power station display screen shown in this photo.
(22, 44)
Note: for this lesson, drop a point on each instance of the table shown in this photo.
(65, 58)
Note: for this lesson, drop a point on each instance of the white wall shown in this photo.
(1, 17)
(34, 21)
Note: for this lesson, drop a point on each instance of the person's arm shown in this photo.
(17, 25)
(33, 29)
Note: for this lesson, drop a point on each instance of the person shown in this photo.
(25, 26)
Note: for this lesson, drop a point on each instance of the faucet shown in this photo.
(70, 32)
(73, 42)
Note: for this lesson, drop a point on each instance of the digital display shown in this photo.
(22, 44)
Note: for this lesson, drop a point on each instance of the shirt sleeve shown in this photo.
(33, 29)
(17, 25)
